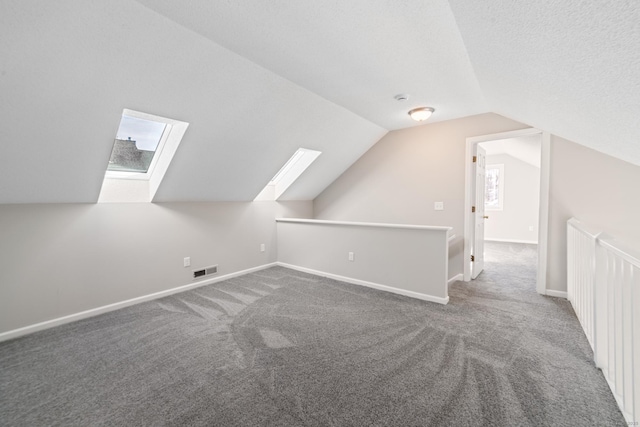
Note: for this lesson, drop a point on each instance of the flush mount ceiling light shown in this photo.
(421, 114)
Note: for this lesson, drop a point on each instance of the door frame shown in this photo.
(543, 220)
(479, 185)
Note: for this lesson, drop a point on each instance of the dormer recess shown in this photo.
(287, 175)
(142, 151)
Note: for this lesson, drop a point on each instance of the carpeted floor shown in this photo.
(284, 348)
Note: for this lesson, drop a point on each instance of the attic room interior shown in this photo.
(294, 248)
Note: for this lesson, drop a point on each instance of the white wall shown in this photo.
(399, 179)
(598, 190)
(409, 261)
(61, 259)
(521, 202)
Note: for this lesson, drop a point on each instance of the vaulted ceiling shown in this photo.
(256, 80)
(524, 148)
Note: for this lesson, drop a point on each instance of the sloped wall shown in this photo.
(399, 179)
(598, 190)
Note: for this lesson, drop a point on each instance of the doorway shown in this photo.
(512, 189)
(475, 216)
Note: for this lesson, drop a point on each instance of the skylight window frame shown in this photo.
(138, 187)
(145, 176)
(299, 154)
(288, 174)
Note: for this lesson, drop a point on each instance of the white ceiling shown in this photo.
(356, 53)
(569, 67)
(524, 148)
(256, 80)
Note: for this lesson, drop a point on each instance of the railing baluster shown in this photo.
(635, 347)
(611, 312)
(627, 337)
(603, 285)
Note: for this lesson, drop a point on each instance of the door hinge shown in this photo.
(473, 208)
(473, 258)
(475, 158)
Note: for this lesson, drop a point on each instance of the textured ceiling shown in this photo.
(256, 80)
(569, 67)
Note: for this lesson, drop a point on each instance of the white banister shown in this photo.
(364, 224)
(603, 285)
(581, 260)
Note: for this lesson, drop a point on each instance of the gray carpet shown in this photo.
(283, 348)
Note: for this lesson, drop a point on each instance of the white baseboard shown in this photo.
(455, 278)
(559, 294)
(529, 242)
(378, 286)
(115, 306)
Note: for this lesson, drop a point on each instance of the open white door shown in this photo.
(477, 251)
(471, 216)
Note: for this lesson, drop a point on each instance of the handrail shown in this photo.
(615, 246)
(583, 228)
(365, 224)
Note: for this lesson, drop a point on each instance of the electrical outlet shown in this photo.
(262, 247)
(187, 261)
(351, 256)
(438, 206)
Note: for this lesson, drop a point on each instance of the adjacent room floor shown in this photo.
(282, 348)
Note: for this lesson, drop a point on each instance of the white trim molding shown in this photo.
(456, 278)
(377, 286)
(15, 333)
(557, 294)
(528, 242)
(543, 212)
(365, 224)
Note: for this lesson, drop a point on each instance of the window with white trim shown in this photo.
(494, 188)
(135, 147)
(142, 151)
(292, 169)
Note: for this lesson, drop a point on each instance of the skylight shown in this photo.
(143, 148)
(288, 174)
(135, 145)
(288, 166)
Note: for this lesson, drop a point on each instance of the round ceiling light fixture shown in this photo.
(401, 97)
(421, 114)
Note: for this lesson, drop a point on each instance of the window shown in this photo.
(143, 148)
(136, 143)
(287, 175)
(494, 188)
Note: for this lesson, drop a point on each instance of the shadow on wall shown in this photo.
(456, 254)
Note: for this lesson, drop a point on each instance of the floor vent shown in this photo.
(205, 271)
